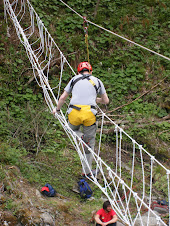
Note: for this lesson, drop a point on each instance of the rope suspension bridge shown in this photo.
(128, 203)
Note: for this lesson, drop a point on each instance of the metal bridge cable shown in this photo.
(128, 40)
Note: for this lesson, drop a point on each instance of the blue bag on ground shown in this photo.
(163, 202)
(48, 190)
(84, 189)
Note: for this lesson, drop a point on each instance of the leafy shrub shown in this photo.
(10, 155)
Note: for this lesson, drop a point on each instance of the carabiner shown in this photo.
(85, 25)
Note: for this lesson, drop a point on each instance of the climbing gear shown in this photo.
(79, 108)
(48, 190)
(84, 189)
(84, 65)
(81, 114)
(75, 107)
(92, 82)
(88, 78)
(85, 26)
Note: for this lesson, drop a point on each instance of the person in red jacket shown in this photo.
(106, 215)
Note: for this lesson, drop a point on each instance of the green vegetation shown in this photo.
(127, 71)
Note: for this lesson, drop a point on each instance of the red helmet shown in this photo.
(84, 65)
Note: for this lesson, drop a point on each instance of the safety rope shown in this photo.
(85, 26)
(41, 50)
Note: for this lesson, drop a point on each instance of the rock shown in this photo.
(151, 214)
(91, 198)
(6, 218)
(152, 221)
(154, 199)
(120, 224)
(44, 210)
(28, 216)
(47, 219)
(104, 199)
(161, 210)
(75, 189)
(24, 216)
(38, 194)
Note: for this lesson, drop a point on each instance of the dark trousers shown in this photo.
(113, 224)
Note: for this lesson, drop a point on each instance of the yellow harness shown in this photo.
(81, 114)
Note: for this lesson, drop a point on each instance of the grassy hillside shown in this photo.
(137, 83)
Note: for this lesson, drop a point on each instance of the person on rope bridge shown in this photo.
(106, 215)
(84, 88)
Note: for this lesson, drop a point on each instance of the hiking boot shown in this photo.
(86, 175)
(89, 174)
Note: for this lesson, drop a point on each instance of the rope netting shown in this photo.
(129, 183)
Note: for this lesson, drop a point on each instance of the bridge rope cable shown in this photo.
(42, 50)
(126, 39)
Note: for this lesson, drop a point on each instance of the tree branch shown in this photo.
(137, 97)
(95, 11)
(110, 131)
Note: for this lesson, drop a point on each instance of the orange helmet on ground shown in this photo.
(84, 65)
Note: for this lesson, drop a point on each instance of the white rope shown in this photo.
(151, 174)
(40, 53)
(117, 147)
(120, 140)
(143, 47)
(143, 171)
(62, 67)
